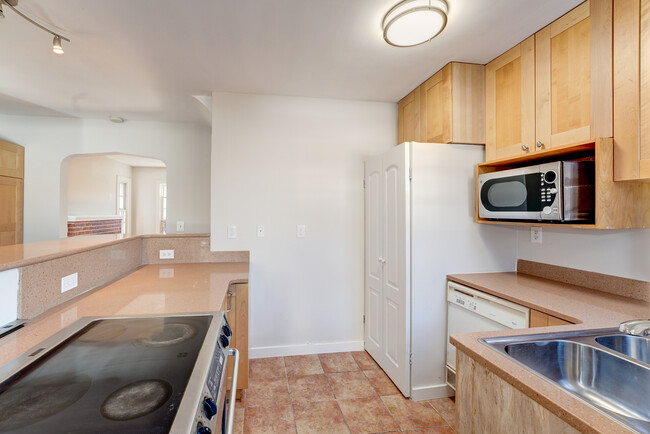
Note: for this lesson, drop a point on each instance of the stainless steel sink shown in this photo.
(636, 347)
(606, 369)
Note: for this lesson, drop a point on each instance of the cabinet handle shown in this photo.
(540, 144)
(229, 301)
(233, 389)
(524, 148)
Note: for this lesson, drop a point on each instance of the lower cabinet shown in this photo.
(540, 319)
(236, 308)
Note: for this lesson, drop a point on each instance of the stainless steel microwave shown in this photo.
(560, 191)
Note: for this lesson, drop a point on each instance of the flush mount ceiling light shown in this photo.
(56, 44)
(116, 119)
(414, 22)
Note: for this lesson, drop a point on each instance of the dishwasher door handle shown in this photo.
(233, 390)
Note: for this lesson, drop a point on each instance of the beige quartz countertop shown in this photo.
(20, 255)
(588, 308)
(151, 289)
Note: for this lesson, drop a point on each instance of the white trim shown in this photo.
(299, 350)
(431, 392)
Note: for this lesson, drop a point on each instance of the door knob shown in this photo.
(524, 148)
(382, 260)
(540, 144)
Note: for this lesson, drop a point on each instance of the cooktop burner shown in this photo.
(113, 376)
(136, 399)
(168, 334)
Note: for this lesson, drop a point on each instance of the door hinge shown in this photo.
(410, 358)
(410, 174)
(364, 319)
(364, 183)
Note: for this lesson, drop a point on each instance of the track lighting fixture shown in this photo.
(56, 44)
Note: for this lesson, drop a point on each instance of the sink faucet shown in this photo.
(637, 327)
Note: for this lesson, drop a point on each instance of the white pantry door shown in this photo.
(387, 286)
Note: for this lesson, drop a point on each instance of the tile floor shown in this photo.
(333, 393)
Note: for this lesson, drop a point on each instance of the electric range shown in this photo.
(135, 374)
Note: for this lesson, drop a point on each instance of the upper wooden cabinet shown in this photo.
(510, 102)
(568, 67)
(632, 89)
(573, 76)
(408, 118)
(12, 159)
(450, 107)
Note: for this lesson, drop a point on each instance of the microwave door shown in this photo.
(514, 197)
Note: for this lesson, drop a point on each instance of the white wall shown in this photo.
(624, 253)
(283, 161)
(92, 185)
(146, 199)
(184, 147)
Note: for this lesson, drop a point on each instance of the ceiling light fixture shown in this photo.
(414, 22)
(56, 44)
(116, 119)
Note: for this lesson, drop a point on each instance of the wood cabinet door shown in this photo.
(644, 96)
(408, 118)
(11, 211)
(436, 108)
(12, 159)
(573, 63)
(510, 102)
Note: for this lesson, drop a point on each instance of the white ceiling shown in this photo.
(143, 60)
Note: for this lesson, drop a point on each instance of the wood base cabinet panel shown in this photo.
(236, 307)
(632, 90)
(485, 403)
(541, 319)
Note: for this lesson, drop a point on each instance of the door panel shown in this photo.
(373, 267)
(392, 329)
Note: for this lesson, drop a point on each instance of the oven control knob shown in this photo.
(552, 190)
(224, 341)
(201, 429)
(226, 330)
(547, 210)
(209, 408)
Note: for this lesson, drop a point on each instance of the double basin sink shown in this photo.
(605, 368)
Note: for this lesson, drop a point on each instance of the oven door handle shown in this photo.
(233, 390)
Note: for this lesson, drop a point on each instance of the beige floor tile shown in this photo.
(338, 362)
(446, 407)
(410, 414)
(367, 415)
(350, 385)
(364, 360)
(269, 420)
(303, 365)
(319, 417)
(238, 423)
(266, 368)
(310, 388)
(267, 391)
(380, 381)
(445, 429)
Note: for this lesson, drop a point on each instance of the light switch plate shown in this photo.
(69, 282)
(300, 231)
(232, 231)
(166, 254)
(260, 231)
(180, 226)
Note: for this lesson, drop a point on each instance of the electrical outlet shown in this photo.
(166, 254)
(536, 235)
(232, 231)
(300, 231)
(260, 231)
(69, 282)
(180, 226)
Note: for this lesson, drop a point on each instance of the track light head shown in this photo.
(2, 13)
(56, 45)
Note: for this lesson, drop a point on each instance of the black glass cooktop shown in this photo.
(113, 376)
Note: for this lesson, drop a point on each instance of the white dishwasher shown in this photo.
(469, 310)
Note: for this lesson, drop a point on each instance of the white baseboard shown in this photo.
(431, 392)
(298, 350)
